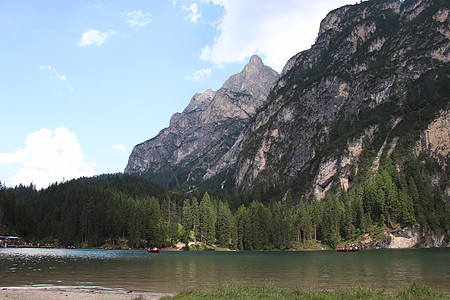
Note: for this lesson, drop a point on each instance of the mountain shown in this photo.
(349, 145)
(374, 86)
(372, 91)
(199, 136)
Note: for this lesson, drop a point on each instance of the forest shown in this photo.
(122, 210)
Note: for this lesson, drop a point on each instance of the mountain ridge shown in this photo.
(349, 92)
(206, 128)
(365, 56)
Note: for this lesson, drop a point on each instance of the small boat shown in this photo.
(153, 250)
(32, 246)
(351, 249)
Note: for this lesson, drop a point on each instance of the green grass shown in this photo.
(239, 291)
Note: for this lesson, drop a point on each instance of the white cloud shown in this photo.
(137, 18)
(276, 30)
(120, 148)
(101, 7)
(95, 37)
(201, 74)
(48, 156)
(54, 72)
(194, 15)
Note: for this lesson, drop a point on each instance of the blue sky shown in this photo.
(82, 82)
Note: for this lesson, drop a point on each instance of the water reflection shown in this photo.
(175, 271)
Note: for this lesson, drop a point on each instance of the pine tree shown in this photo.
(153, 220)
(208, 217)
(187, 220)
(195, 219)
(240, 223)
(280, 227)
(224, 225)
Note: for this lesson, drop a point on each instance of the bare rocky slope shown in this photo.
(378, 72)
(197, 138)
(374, 86)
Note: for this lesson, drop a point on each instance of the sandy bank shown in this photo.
(71, 294)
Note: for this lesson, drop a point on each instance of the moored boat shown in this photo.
(351, 249)
(153, 250)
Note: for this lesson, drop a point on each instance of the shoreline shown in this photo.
(72, 293)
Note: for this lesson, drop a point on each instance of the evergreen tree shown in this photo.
(195, 219)
(187, 220)
(207, 214)
(240, 223)
(153, 221)
(224, 225)
(280, 227)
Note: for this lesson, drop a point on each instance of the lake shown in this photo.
(170, 271)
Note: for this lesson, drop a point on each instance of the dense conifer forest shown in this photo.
(127, 211)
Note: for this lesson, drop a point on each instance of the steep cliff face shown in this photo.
(207, 128)
(376, 77)
(362, 83)
(434, 141)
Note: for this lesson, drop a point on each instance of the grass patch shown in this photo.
(268, 291)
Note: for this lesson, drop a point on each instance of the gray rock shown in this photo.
(197, 138)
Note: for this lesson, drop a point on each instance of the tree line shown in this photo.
(92, 212)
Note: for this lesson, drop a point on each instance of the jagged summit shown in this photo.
(206, 129)
(376, 75)
(251, 79)
(367, 57)
(256, 60)
(200, 100)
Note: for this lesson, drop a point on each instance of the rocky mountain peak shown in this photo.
(339, 18)
(197, 138)
(349, 91)
(252, 80)
(363, 60)
(256, 60)
(200, 100)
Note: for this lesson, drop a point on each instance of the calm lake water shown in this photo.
(169, 272)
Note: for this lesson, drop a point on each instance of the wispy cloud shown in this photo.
(101, 7)
(48, 156)
(95, 37)
(201, 74)
(194, 14)
(53, 71)
(276, 30)
(137, 18)
(120, 148)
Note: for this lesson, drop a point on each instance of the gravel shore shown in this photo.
(71, 294)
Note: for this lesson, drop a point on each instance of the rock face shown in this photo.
(207, 128)
(366, 57)
(410, 237)
(434, 140)
(404, 238)
(376, 70)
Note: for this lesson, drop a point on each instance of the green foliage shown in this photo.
(97, 212)
(224, 225)
(88, 211)
(235, 290)
(208, 218)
